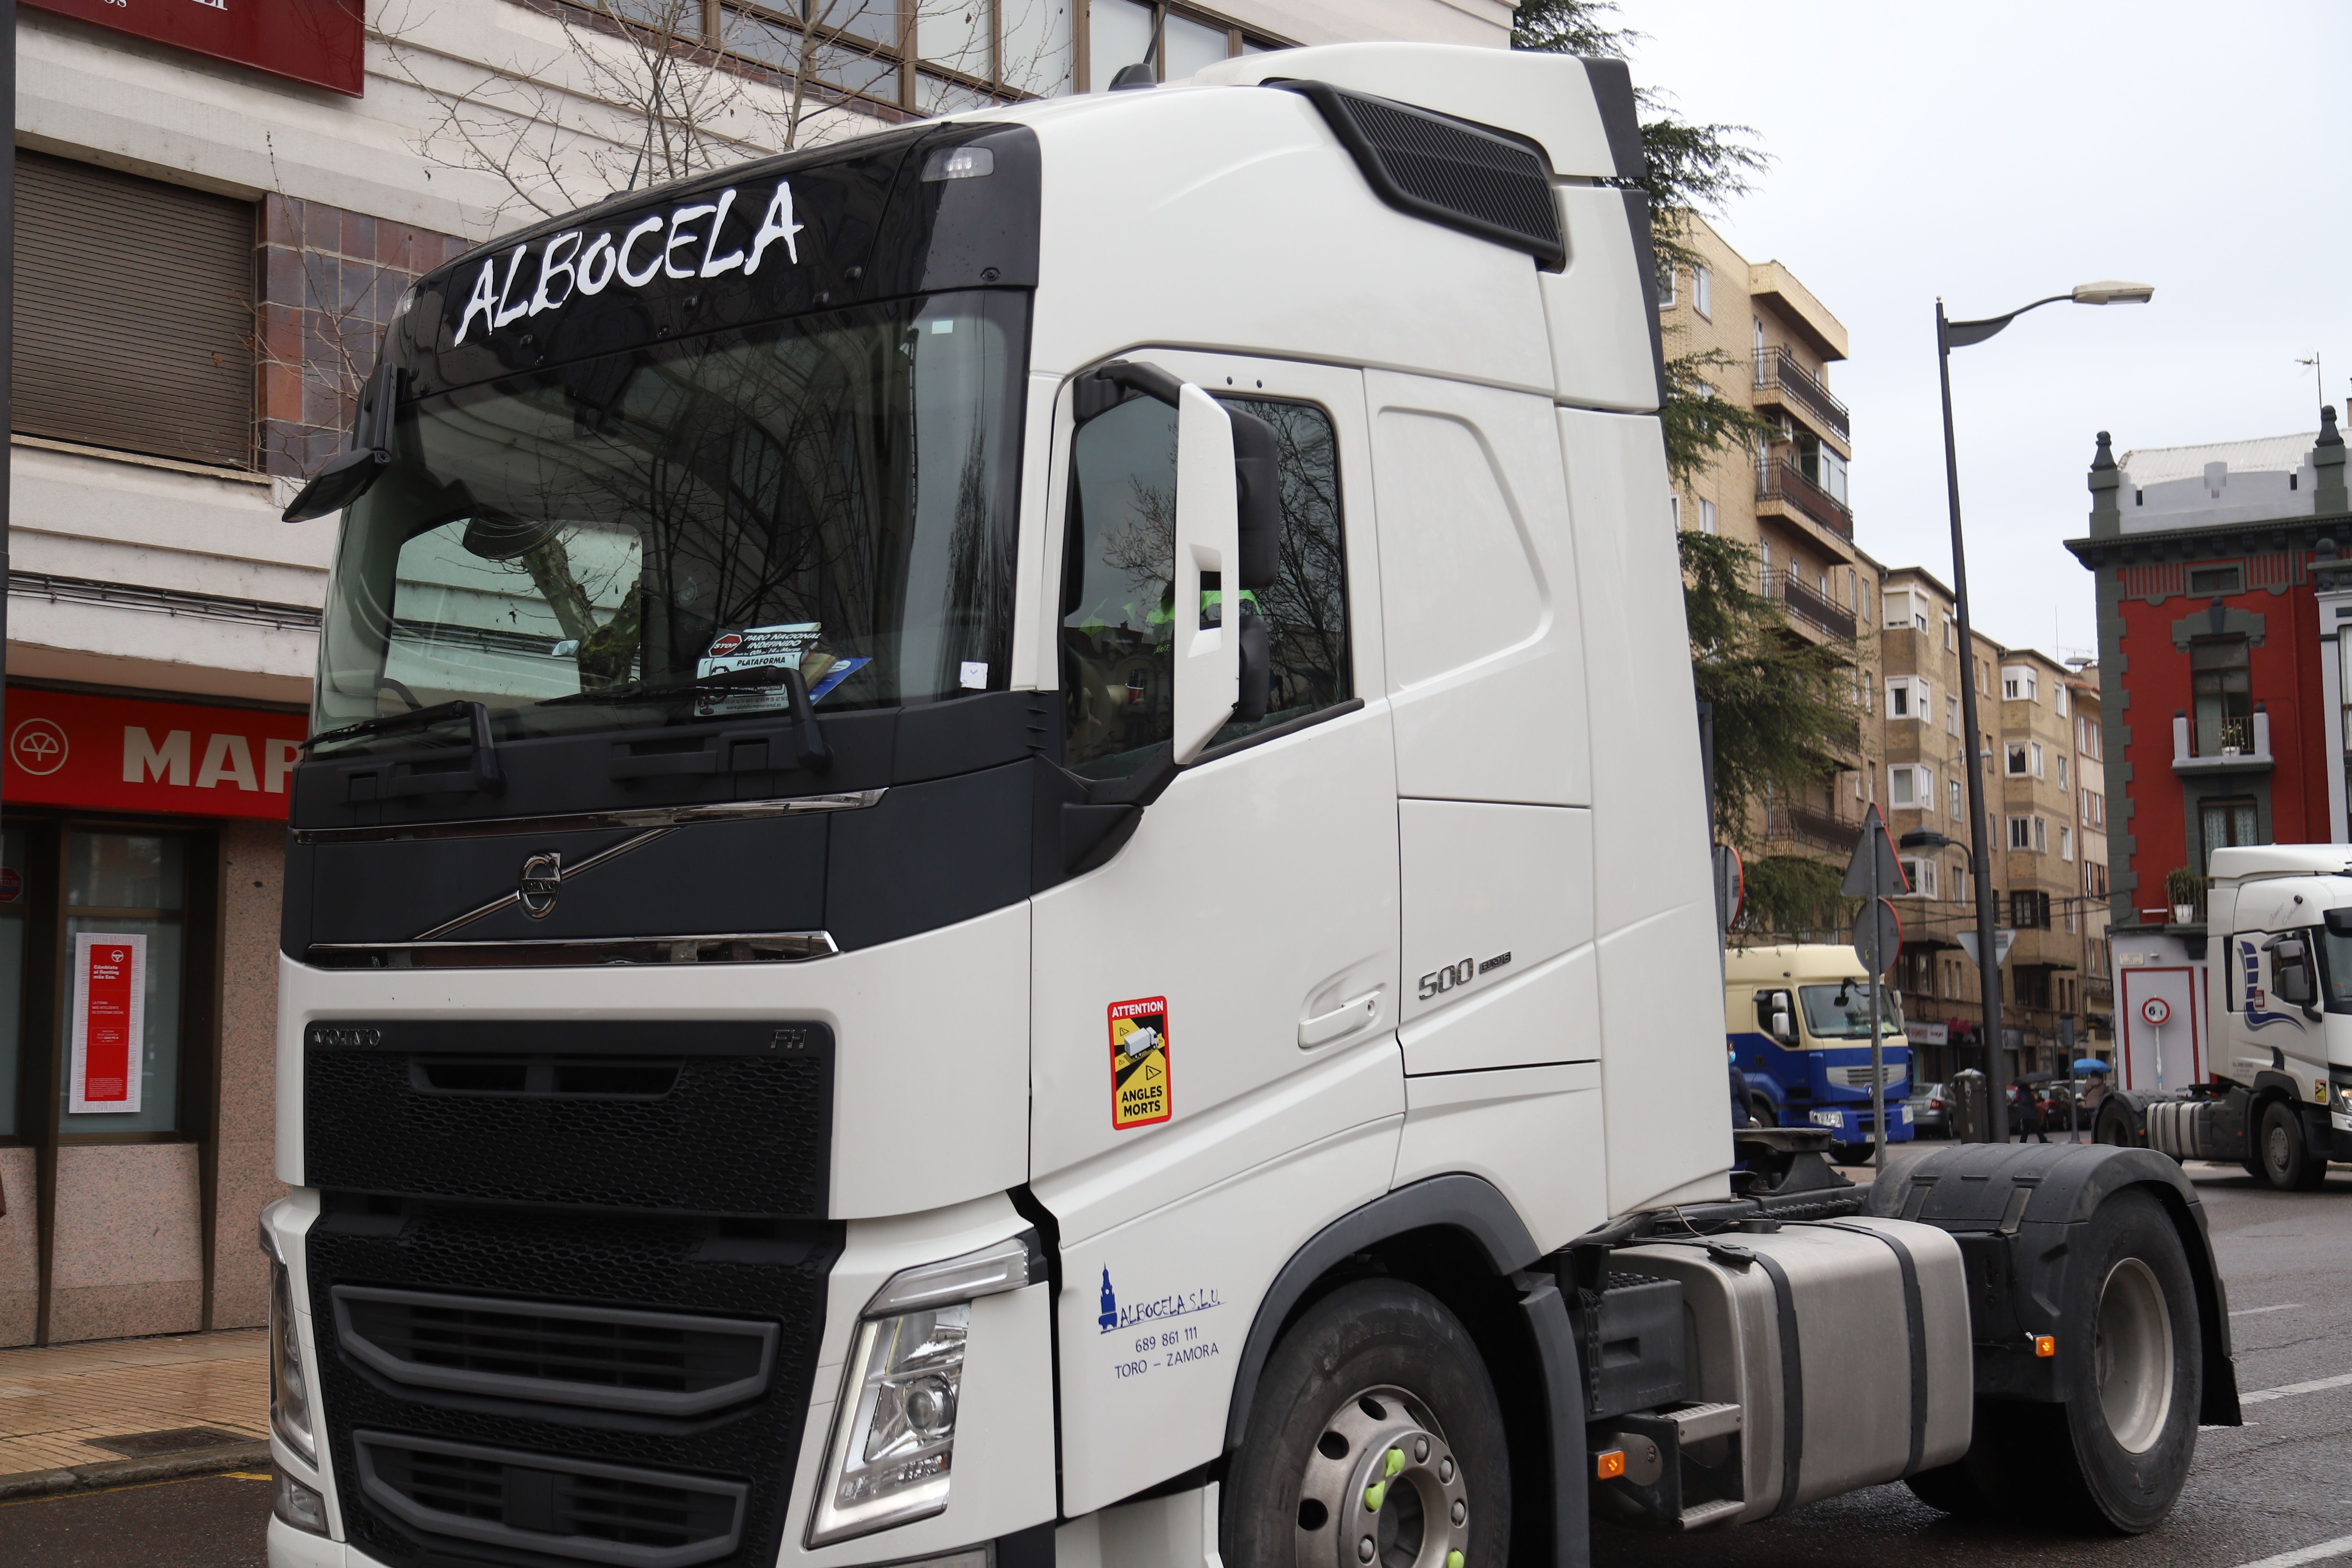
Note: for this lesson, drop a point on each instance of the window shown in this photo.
(2062, 771)
(1907, 697)
(1703, 291)
(2094, 810)
(1922, 874)
(2206, 582)
(1951, 634)
(968, 55)
(2058, 695)
(145, 348)
(1121, 33)
(2017, 758)
(1665, 285)
(1958, 800)
(2029, 909)
(2227, 824)
(1951, 714)
(2094, 878)
(2034, 749)
(11, 978)
(1906, 610)
(2019, 683)
(1910, 787)
(1118, 635)
(129, 890)
(1706, 517)
(1863, 604)
(1984, 679)
(2065, 842)
(2224, 711)
(2021, 832)
(2086, 737)
(1675, 505)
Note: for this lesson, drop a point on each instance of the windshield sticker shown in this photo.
(1139, 1063)
(796, 644)
(684, 245)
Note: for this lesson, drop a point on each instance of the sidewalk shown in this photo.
(116, 1411)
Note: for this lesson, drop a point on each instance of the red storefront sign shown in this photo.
(118, 753)
(109, 1022)
(318, 41)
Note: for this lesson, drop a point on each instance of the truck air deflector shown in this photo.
(1465, 177)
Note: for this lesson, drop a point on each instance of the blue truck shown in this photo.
(1798, 1019)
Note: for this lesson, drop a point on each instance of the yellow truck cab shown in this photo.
(1797, 1018)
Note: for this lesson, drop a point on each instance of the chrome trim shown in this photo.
(579, 953)
(583, 821)
(563, 874)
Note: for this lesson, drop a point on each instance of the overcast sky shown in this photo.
(1992, 153)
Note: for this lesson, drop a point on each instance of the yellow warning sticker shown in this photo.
(1139, 1063)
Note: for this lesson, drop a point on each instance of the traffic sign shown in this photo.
(1877, 936)
(1876, 871)
(2157, 1010)
(2002, 941)
(1730, 885)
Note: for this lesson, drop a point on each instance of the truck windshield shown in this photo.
(578, 548)
(1842, 1012)
(2334, 967)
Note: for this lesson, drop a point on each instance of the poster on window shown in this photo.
(109, 1022)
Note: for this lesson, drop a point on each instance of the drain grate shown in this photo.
(178, 1440)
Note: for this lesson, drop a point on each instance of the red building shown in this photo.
(2220, 683)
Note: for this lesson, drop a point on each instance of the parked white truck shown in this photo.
(1005, 865)
(2278, 1095)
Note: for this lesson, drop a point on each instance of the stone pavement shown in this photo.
(112, 1411)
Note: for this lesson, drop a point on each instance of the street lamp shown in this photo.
(1950, 335)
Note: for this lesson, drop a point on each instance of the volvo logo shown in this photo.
(542, 878)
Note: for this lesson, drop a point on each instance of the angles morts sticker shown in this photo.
(1139, 1063)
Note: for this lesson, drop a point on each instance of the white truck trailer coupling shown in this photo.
(2276, 974)
(1005, 867)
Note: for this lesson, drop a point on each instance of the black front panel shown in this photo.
(701, 1118)
(529, 1466)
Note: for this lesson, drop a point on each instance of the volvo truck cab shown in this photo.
(1798, 1016)
(1003, 865)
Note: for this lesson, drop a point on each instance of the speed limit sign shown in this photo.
(2157, 1010)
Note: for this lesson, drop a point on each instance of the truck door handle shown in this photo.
(1344, 1019)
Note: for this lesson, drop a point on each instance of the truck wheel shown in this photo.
(1374, 1441)
(2114, 1128)
(1850, 1154)
(1761, 1109)
(2287, 1163)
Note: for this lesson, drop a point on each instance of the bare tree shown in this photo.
(641, 93)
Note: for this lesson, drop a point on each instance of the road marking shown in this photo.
(2339, 1547)
(2250, 1311)
(2315, 1386)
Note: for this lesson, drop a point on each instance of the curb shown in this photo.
(133, 1472)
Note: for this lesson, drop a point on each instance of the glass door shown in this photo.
(125, 942)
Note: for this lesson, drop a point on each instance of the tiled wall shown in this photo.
(128, 1255)
(20, 1245)
(253, 862)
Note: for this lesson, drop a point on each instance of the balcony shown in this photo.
(1780, 378)
(1785, 482)
(1811, 826)
(1805, 602)
(2212, 746)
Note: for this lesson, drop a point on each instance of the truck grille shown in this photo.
(1859, 1077)
(545, 1317)
(602, 1358)
(566, 1507)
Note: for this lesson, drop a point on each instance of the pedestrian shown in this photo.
(2026, 1111)
(1740, 1117)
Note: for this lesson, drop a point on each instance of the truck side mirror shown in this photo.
(1782, 1025)
(2291, 977)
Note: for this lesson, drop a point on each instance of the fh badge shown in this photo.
(1139, 1063)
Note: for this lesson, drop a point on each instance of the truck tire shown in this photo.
(1373, 1422)
(1850, 1154)
(2111, 1459)
(2287, 1162)
(1761, 1109)
(2114, 1128)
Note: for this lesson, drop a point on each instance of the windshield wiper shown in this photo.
(484, 775)
(755, 679)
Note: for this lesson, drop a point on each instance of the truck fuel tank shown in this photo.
(1843, 1342)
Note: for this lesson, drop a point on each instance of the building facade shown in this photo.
(1771, 343)
(2041, 792)
(217, 214)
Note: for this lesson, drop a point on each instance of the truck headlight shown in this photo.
(290, 1380)
(892, 1452)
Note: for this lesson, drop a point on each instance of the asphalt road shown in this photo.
(2274, 1488)
(2278, 1486)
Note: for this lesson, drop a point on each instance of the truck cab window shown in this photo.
(1117, 618)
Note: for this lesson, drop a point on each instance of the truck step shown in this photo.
(1697, 1423)
(1704, 1514)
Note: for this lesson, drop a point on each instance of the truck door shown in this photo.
(1243, 944)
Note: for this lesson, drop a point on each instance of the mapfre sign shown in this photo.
(116, 754)
(318, 41)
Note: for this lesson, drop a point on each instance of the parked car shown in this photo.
(1930, 1111)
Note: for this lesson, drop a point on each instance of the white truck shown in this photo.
(2277, 1097)
(1005, 866)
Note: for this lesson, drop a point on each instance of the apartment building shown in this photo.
(1773, 343)
(218, 209)
(2042, 788)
